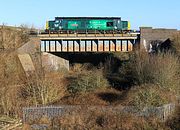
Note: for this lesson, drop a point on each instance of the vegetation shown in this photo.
(149, 95)
(11, 74)
(12, 38)
(176, 43)
(87, 81)
(174, 121)
(42, 91)
(149, 79)
(159, 69)
(85, 118)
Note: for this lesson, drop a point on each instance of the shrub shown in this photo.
(9, 100)
(44, 91)
(121, 55)
(161, 69)
(165, 69)
(12, 38)
(176, 43)
(86, 82)
(81, 67)
(98, 119)
(136, 70)
(149, 96)
(11, 75)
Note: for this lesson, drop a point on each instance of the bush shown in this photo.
(44, 91)
(161, 69)
(149, 96)
(81, 67)
(86, 82)
(11, 76)
(176, 43)
(99, 120)
(12, 38)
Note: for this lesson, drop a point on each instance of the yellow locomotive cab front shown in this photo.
(129, 25)
(47, 25)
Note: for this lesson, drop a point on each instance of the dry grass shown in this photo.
(11, 77)
(11, 72)
(98, 97)
(42, 91)
(86, 81)
(155, 74)
(97, 119)
(161, 69)
(176, 43)
(149, 95)
(12, 38)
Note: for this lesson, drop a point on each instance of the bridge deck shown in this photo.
(87, 42)
(86, 36)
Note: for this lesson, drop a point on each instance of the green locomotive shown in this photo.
(87, 24)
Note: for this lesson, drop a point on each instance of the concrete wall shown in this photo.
(149, 34)
(27, 64)
(49, 62)
(30, 47)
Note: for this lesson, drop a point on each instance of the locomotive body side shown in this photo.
(87, 24)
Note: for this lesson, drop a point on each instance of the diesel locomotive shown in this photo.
(87, 25)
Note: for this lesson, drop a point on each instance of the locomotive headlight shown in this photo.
(115, 27)
(57, 21)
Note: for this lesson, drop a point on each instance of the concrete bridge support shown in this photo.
(51, 62)
(148, 34)
(33, 59)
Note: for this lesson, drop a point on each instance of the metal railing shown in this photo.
(87, 35)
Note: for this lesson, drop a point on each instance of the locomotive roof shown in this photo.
(99, 18)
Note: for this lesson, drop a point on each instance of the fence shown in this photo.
(34, 113)
(161, 113)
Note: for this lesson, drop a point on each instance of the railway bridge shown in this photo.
(67, 43)
(87, 42)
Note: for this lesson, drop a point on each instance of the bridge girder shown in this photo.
(87, 43)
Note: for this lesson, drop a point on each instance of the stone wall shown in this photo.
(149, 34)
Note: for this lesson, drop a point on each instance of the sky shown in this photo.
(150, 13)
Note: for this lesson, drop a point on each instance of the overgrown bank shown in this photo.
(141, 80)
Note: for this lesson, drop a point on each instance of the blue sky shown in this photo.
(155, 13)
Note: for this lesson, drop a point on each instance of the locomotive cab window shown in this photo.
(110, 24)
